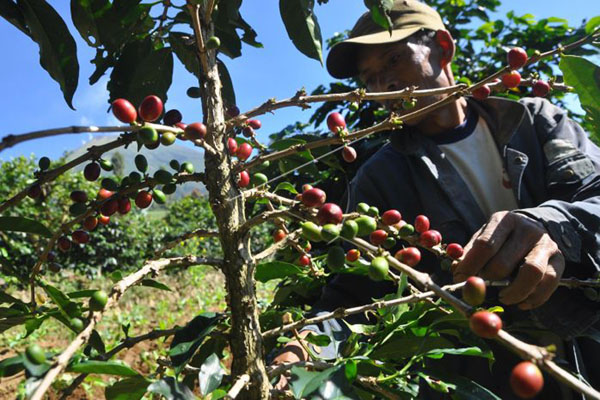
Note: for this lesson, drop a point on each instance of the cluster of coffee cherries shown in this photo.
(243, 151)
(516, 58)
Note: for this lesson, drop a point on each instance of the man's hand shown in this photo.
(292, 352)
(507, 241)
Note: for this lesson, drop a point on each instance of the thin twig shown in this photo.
(237, 387)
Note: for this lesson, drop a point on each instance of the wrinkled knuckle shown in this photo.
(535, 268)
(484, 243)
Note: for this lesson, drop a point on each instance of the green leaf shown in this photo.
(11, 366)
(380, 12)
(127, 389)
(171, 389)
(11, 12)
(114, 367)
(58, 51)
(302, 27)
(155, 284)
(79, 294)
(592, 24)
(227, 84)
(20, 224)
(351, 370)
(403, 345)
(82, 15)
(67, 307)
(319, 340)
(187, 340)
(466, 351)
(275, 270)
(286, 186)
(210, 375)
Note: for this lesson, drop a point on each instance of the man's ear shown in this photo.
(446, 43)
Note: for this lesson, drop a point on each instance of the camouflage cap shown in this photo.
(408, 17)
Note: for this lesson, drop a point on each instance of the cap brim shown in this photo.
(342, 59)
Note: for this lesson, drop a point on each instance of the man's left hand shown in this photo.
(507, 241)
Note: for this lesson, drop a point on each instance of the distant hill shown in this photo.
(157, 158)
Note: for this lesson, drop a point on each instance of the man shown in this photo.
(517, 182)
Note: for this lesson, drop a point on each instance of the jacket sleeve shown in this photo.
(572, 163)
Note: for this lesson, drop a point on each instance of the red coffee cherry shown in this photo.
(378, 236)
(349, 154)
(151, 108)
(109, 207)
(391, 217)
(232, 146)
(304, 260)
(90, 223)
(232, 111)
(313, 197)
(353, 255)
(80, 236)
(335, 122)
(103, 219)
(540, 88)
(279, 235)
(63, 243)
(517, 57)
(482, 92)
(254, 123)
(124, 205)
(124, 111)
(512, 79)
(526, 380)
(473, 293)
(454, 251)
(195, 131)
(248, 131)
(421, 223)
(244, 151)
(430, 238)
(143, 199)
(244, 179)
(104, 194)
(409, 256)
(485, 324)
(329, 213)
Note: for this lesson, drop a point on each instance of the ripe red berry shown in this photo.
(279, 235)
(304, 260)
(335, 122)
(473, 292)
(109, 207)
(90, 223)
(353, 255)
(181, 126)
(34, 191)
(540, 88)
(313, 197)
(421, 223)
(103, 219)
(80, 236)
(63, 243)
(517, 57)
(232, 111)
(485, 324)
(78, 196)
(91, 172)
(143, 199)
(391, 217)
(244, 151)
(244, 179)
(409, 256)
(454, 251)
(482, 92)
(104, 194)
(512, 79)
(232, 146)
(124, 111)
(378, 236)
(349, 154)
(329, 213)
(172, 117)
(526, 380)
(254, 123)
(151, 108)
(195, 131)
(248, 131)
(430, 238)
(124, 205)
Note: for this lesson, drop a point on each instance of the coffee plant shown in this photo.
(288, 185)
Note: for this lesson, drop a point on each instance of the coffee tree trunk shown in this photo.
(245, 339)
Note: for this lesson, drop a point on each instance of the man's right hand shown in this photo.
(291, 353)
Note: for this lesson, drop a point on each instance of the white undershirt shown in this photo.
(477, 160)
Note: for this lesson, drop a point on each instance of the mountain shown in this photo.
(157, 158)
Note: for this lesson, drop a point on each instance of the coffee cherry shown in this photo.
(79, 196)
(148, 135)
(454, 251)
(430, 238)
(254, 123)
(35, 354)
(213, 43)
(311, 231)
(391, 217)
(91, 172)
(330, 232)
(279, 235)
(335, 258)
(51, 256)
(335, 122)
(389, 243)
(409, 104)
(421, 223)
(63, 243)
(378, 236)
(244, 151)
(80, 236)
(512, 79)
(308, 247)
(143, 199)
(485, 324)
(352, 255)
(158, 196)
(34, 191)
(76, 324)
(187, 167)
(366, 225)
(54, 267)
(124, 205)
(44, 163)
(373, 211)
(517, 57)
(172, 117)
(232, 111)
(306, 187)
(540, 88)
(304, 260)
(354, 106)
(329, 213)
(244, 179)
(409, 256)
(98, 300)
(90, 223)
(349, 229)
(195, 131)
(109, 184)
(181, 126)
(248, 131)
(362, 208)
(76, 209)
(151, 108)
(473, 293)
(379, 269)
(109, 207)
(167, 138)
(232, 146)
(104, 194)
(349, 154)
(124, 111)
(103, 219)
(482, 92)
(313, 197)
(526, 380)
(152, 145)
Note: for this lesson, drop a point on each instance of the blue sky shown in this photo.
(32, 100)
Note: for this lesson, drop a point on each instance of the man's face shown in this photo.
(394, 66)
